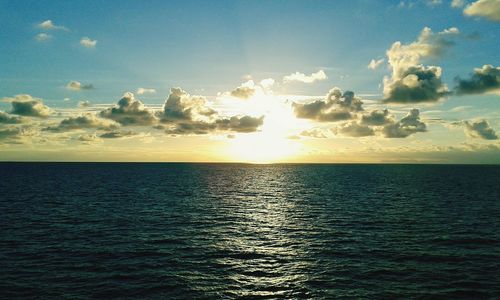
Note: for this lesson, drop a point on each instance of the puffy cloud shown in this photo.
(6, 118)
(301, 77)
(188, 114)
(416, 84)
(489, 9)
(408, 125)
(483, 80)
(15, 134)
(87, 42)
(181, 106)
(141, 91)
(49, 25)
(267, 83)
(354, 129)
(43, 37)
(83, 122)
(26, 105)
(479, 129)
(374, 64)
(117, 134)
(129, 111)
(245, 91)
(376, 118)
(78, 86)
(411, 82)
(336, 107)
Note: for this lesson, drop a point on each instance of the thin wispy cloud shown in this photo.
(301, 77)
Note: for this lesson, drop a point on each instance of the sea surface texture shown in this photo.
(212, 231)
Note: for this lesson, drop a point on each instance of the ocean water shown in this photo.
(212, 231)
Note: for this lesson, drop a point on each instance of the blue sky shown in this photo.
(211, 47)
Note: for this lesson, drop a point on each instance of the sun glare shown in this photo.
(271, 143)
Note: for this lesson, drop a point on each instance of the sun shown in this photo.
(271, 144)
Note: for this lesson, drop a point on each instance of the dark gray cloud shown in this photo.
(6, 118)
(335, 107)
(405, 127)
(117, 134)
(78, 86)
(417, 84)
(376, 118)
(129, 111)
(83, 122)
(483, 80)
(242, 124)
(354, 129)
(480, 129)
(26, 105)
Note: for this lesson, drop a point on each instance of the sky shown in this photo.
(412, 81)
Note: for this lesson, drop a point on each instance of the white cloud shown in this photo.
(142, 91)
(457, 3)
(489, 9)
(49, 25)
(374, 64)
(88, 43)
(267, 83)
(43, 37)
(301, 77)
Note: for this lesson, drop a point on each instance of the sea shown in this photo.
(249, 231)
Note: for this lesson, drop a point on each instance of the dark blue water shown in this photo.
(256, 231)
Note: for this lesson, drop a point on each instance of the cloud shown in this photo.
(374, 64)
(412, 82)
(245, 91)
(483, 80)
(117, 134)
(354, 129)
(188, 114)
(87, 42)
(407, 126)
(267, 83)
(376, 118)
(6, 118)
(49, 25)
(416, 84)
(26, 105)
(457, 3)
(479, 129)
(488, 9)
(301, 77)
(240, 123)
(181, 106)
(84, 122)
(141, 91)
(88, 138)
(43, 37)
(335, 107)
(83, 104)
(129, 111)
(78, 86)
(314, 133)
